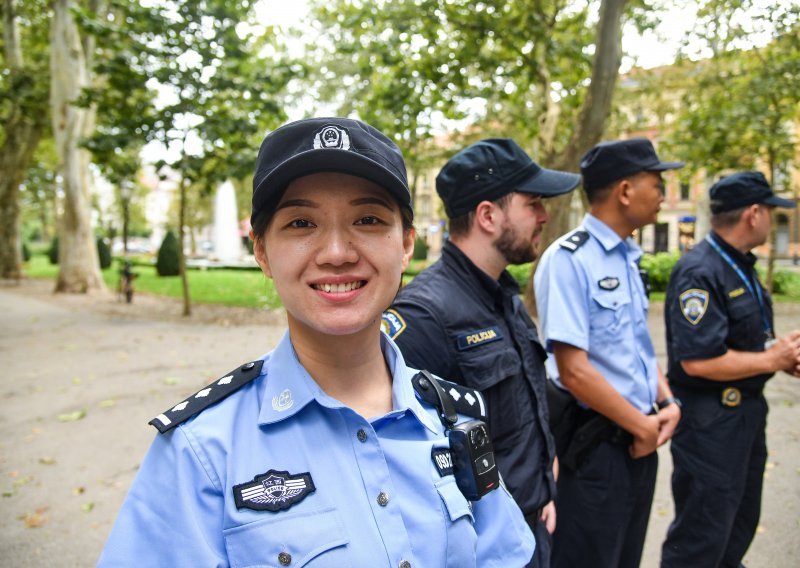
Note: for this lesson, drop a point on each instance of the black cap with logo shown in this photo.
(610, 161)
(742, 189)
(319, 145)
(492, 168)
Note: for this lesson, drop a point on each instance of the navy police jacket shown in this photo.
(710, 309)
(462, 325)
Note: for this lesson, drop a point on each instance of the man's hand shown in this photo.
(668, 418)
(549, 516)
(646, 441)
(786, 352)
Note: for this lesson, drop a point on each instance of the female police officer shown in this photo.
(319, 454)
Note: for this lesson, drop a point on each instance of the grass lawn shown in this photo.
(219, 286)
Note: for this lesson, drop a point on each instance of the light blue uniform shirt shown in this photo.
(593, 298)
(377, 499)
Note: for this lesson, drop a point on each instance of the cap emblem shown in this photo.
(331, 137)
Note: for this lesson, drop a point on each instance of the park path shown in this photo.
(81, 376)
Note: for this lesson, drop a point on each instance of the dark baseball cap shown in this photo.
(610, 161)
(317, 145)
(742, 189)
(492, 168)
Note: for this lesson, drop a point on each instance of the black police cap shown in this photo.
(492, 168)
(610, 161)
(742, 189)
(317, 145)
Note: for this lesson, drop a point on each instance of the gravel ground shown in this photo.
(82, 375)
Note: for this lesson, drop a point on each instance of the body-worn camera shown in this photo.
(471, 448)
(473, 459)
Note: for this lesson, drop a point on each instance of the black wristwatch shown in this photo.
(669, 400)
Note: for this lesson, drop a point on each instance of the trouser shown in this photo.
(544, 542)
(602, 509)
(719, 454)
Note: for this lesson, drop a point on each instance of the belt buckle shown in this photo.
(731, 397)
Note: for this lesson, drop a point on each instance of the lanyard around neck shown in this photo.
(755, 290)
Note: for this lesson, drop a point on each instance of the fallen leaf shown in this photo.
(72, 416)
(47, 460)
(8, 493)
(171, 381)
(76, 380)
(108, 403)
(23, 481)
(79, 491)
(34, 520)
(87, 507)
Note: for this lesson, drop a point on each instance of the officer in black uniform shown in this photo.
(463, 320)
(722, 349)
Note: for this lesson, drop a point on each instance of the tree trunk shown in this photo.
(22, 135)
(187, 304)
(591, 122)
(79, 269)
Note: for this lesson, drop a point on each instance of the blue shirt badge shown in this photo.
(479, 337)
(273, 491)
(694, 303)
(609, 283)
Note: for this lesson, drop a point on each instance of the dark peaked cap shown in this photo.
(610, 161)
(492, 168)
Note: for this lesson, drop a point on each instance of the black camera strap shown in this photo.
(444, 404)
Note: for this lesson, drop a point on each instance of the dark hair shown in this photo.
(460, 226)
(725, 219)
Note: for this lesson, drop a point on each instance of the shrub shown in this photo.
(26, 253)
(521, 273)
(167, 260)
(786, 282)
(103, 253)
(659, 267)
(52, 252)
(420, 249)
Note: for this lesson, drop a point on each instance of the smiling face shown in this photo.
(335, 249)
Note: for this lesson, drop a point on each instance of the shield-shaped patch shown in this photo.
(694, 303)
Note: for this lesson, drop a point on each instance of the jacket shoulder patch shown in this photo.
(574, 241)
(207, 396)
(392, 323)
(466, 401)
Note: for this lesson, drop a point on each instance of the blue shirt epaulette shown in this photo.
(466, 401)
(207, 396)
(574, 241)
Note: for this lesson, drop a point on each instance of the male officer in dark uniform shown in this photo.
(722, 349)
(463, 320)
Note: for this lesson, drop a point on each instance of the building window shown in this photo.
(685, 191)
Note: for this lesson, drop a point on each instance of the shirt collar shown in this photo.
(505, 285)
(747, 260)
(289, 387)
(608, 238)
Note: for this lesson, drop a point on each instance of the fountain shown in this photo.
(227, 242)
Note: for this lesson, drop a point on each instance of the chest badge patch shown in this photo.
(609, 283)
(273, 491)
(694, 304)
(479, 337)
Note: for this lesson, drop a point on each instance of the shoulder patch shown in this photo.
(392, 323)
(694, 303)
(204, 398)
(574, 241)
(466, 401)
(478, 337)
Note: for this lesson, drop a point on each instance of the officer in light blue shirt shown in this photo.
(326, 451)
(593, 306)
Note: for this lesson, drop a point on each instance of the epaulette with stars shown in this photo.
(466, 401)
(207, 396)
(574, 241)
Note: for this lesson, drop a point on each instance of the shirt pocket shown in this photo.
(312, 539)
(609, 312)
(746, 329)
(462, 540)
(491, 371)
